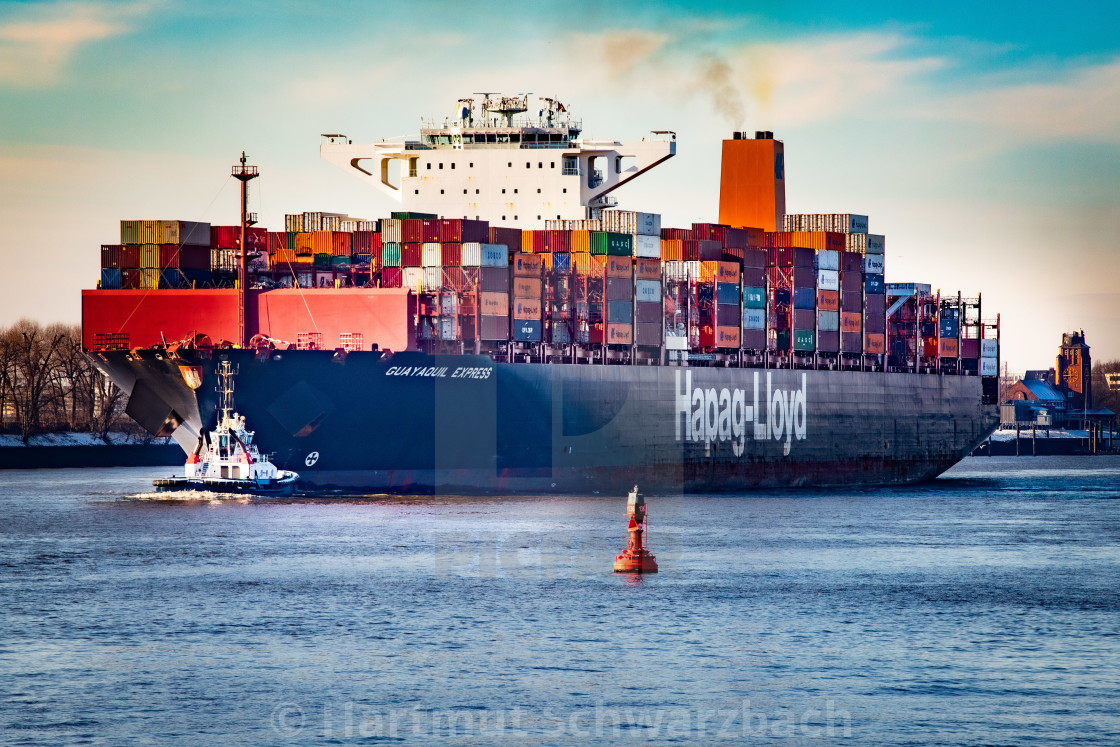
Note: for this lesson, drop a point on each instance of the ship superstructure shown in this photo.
(495, 161)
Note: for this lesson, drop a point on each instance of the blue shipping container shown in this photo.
(494, 255)
(948, 327)
(620, 312)
(727, 294)
(561, 263)
(111, 278)
(804, 298)
(527, 331)
(874, 284)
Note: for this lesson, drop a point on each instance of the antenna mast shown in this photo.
(243, 174)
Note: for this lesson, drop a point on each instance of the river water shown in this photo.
(981, 608)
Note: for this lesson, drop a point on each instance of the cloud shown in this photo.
(35, 48)
(1083, 103)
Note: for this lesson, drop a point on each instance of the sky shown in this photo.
(982, 139)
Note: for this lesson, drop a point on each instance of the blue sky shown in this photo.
(982, 139)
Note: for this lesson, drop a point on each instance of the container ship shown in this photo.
(512, 330)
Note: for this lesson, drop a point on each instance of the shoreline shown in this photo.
(64, 450)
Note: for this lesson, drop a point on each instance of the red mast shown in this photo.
(243, 174)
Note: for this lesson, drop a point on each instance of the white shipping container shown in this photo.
(681, 271)
(447, 329)
(293, 222)
(754, 318)
(648, 290)
(391, 230)
(448, 304)
(828, 259)
(305, 279)
(828, 321)
(432, 279)
(989, 348)
(988, 367)
(836, 222)
(412, 278)
(493, 255)
(149, 278)
(867, 243)
(873, 264)
(629, 221)
(431, 255)
(472, 254)
(647, 247)
(828, 280)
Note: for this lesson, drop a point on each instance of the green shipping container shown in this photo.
(322, 260)
(404, 215)
(804, 340)
(783, 340)
(754, 298)
(342, 259)
(391, 254)
(291, 241)
(613, 244)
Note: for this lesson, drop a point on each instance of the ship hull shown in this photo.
(412, 423)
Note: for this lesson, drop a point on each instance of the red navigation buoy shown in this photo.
(635, 558)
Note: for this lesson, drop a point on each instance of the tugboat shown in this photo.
(226, 460)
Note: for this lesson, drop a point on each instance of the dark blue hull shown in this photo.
(412, 423)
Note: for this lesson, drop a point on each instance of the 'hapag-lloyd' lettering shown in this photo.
(711, 415)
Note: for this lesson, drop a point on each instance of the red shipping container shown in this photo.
(851, 262)
(779, 277)
(130, 256)
(111, 256)
(411, 254)
(341, 246)
(851, 322)
(366, 242)
(130, 278)
(618, 267)
(970, 348)
(727, 337)
(648, 312)
(710, 232)
(463, 231)
(875, 343)
(851, 282)
(948, 347)
(277, 241)
(851, 342)
(509, 237)
(754, 258)
(804, 277)
(701, 250)
(754, 339)
(225, 237)
(526, 287)
(429, 230)
(390, 277)
(412, 231)
(676, 234)
(779, 256)
(184, 257)
(451, 255)
(754, 277)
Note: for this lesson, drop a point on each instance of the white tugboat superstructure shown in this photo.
(226, 459)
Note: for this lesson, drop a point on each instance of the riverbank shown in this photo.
(53, 450)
